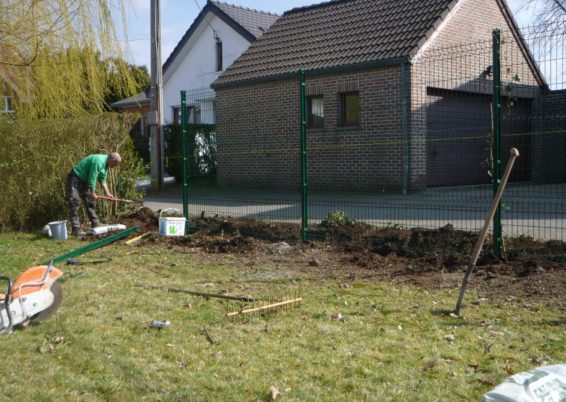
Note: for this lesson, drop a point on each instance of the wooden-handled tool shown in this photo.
(102, 197)
(483, 232)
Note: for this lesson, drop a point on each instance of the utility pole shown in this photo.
(156, 96)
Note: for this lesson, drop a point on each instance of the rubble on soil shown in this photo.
(531, 269)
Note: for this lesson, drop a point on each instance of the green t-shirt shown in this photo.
(91, 169)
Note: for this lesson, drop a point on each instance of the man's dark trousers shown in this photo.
(77, 189)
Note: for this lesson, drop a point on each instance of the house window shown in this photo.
(350, 109)
(7, 105)
(315, 112)
(218, 55)
(193, 115)
(143, 123)
(177, 114)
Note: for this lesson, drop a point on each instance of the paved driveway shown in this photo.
(538, 211)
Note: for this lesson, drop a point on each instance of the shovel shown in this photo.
(138, 201)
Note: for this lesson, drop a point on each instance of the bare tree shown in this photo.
(546, 11)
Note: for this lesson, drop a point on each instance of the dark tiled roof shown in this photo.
(337, 33)
(139, 99)
(254, 21)
(251, 24)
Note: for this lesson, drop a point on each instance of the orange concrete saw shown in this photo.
(34, 296)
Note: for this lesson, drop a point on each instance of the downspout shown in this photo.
(405, 122)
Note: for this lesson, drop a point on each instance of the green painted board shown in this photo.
(92, 246)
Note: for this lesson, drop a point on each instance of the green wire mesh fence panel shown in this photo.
(244, 152)
(403, 143)
(201, 139)
(414, 149)
(533, 72)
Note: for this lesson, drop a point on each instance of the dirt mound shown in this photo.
(444, 249)
(225, 244)
(267, 231)
(145, 218)
(529, 269)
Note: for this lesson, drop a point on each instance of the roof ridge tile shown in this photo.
(244, 8)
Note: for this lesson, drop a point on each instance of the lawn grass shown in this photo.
(393, 343)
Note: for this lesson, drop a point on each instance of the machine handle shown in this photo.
(9, 281)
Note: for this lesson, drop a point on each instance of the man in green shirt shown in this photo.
(81, 183)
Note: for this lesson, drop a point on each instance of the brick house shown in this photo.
(370, 109)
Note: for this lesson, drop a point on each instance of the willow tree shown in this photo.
(60, 58)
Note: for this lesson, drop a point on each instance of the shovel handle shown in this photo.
(483, 232)
(102, 197)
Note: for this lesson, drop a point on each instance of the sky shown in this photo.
(178, 15)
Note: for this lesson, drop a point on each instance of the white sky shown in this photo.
(178, 15)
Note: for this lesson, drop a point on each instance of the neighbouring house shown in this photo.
(217, 37)
(378, 119)
(141, 104)
(219, 34)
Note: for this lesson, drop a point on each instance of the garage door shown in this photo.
(458, 138)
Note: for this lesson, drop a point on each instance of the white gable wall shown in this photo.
(195, 66)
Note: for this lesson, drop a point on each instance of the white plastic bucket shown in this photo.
(171, 225)
(58, 230)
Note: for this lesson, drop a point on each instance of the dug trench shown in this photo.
(531, 271)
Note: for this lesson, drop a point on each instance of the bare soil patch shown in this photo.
(530, 270)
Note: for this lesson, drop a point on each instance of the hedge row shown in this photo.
(36, 156)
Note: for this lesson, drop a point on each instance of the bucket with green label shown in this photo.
(171, 225)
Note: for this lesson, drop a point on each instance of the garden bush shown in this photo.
(201, 152)
(36, 156)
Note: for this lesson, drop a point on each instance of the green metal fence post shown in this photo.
(304, 176)
(405, 124)
(185, 160)
(496, 145)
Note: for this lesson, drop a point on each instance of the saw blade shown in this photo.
(55, 289)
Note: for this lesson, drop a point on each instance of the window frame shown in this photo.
(310, 116)
(218, 48)
(177, 114)
(344, 109)
(194, 115)
(7, 106)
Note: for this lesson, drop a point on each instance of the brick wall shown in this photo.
(258, 124)
(259, 134)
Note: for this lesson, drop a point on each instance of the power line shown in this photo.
(207, 22)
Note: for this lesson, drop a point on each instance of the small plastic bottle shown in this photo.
(160, 324)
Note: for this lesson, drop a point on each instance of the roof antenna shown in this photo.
(200, 9)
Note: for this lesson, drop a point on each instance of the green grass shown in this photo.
(389, 346)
